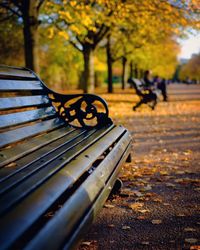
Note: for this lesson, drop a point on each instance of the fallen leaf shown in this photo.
(170, 185)
(150, 194)
(157, 200)
(191, 240)
(156, 222)
(166, 204)
(189, 229)
(145, 243)
(86, 243)
(163, 172)
(138, 194)
(109, 206)
(111, 225)
(126, 227)
(49, 214)
(12, 164)
(188, 152)
(180, 172)
(143, 211)
(141, 217)
(195, 248)
(136, 206)
(180, 215)
(147, 188)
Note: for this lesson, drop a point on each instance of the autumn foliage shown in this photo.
(71, 36)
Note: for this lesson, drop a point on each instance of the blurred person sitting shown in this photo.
(147, 81)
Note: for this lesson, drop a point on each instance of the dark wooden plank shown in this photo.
(28, 131)
(17, 85)
(9, 155)
(37, 160)
(8, 71)
(22, 102)
(26, 116)
(47, 169)
(36, 204)
(25, 165)
(91, 213)
(62, 223)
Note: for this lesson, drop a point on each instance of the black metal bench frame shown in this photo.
(60, 156)
(147, 96)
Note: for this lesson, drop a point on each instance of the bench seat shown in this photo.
(56, 169)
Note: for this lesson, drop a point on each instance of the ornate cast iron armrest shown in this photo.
(81, 110)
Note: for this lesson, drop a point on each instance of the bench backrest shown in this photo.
(25, 109)
(137, 85)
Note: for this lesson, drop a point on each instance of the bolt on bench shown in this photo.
(60, 157)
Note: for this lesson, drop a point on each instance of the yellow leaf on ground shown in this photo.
(195, 248)
(156, 222)
(109, 206)
(136, 206)
(143, 211)
(191, 240)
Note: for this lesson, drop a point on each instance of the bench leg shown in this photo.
(138, 104)
(116, 188)
(129, 158)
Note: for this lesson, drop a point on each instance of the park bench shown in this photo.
(147, 96)
(59, 160)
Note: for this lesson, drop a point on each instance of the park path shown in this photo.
(158, 207)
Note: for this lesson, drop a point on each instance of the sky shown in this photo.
(189, 46)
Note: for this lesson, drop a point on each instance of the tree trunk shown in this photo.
(124, 60)
(30, 19)
(131, 70)
(109, 66)
(89, 78)
(136, 71)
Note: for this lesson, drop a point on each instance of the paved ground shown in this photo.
(158, 207)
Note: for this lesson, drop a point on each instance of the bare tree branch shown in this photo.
(17, 4)
(40, 4)
(3, 5)
(100, 36)
(75, 46)
(70, 41)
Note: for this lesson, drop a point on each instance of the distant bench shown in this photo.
(147, 96)
(60, 157)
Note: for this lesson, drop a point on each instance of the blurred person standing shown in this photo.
(162, 85)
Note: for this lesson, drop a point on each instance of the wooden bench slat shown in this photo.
(26, 116)
(95, 206)
(17, 85)
(11, 154)
(8, 71)
(32, 162)
(77, 206)
(47, 169)
(28, 131)
(37, 203)
(22, 102)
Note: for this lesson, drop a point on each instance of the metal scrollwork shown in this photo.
(82, 110)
